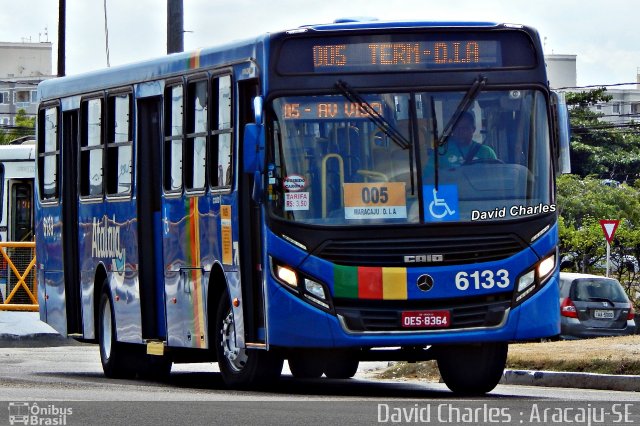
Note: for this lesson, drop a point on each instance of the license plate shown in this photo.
(603, 314)
(426, 319)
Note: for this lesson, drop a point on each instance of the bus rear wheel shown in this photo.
(472, 369)
(239, 367)
(116, 357)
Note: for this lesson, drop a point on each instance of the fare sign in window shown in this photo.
(375, 200)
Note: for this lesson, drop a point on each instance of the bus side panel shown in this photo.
(56, 308)
(198, 233)
(193, 238)
(184, 274)
(124, 278)
(108, 239)
(51, 280)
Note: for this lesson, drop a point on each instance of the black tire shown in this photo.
(241, 368)
(472, 369)
(341, 368)
(154, 367)
(305, 367)
(116, 358)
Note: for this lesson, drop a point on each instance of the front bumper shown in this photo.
(295, 323)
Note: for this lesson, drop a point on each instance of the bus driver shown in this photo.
(460, 149)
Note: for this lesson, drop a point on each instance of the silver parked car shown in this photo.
(593, 306)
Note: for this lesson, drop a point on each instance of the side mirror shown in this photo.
(253, 148)
(257, 109)
(562, 131)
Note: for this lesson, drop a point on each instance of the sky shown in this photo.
(603, 34)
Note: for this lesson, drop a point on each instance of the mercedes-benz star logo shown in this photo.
(425, 282)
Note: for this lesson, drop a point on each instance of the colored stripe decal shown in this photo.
(351, 282)
(194, 60)
(345, 282)
(195, 275)
(369, 283)
(394, 283)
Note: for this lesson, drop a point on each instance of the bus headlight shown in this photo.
(535, 278)
(314, 288)
(287, 276)
(302, 286)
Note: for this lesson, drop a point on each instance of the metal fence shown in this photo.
(18, 287)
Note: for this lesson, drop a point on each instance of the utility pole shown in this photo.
(62, 23)
(175, 26)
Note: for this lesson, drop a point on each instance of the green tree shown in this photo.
(25, 126)
(583, 202)
(597, 147)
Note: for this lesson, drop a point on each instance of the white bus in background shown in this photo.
(17, 170)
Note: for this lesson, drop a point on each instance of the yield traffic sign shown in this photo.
(609, 227)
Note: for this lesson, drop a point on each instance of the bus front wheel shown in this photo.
(239, 367)
(472, 369)
(306, 366)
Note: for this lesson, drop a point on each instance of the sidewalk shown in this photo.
(24, 329)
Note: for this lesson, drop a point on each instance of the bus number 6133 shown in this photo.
(486, 279)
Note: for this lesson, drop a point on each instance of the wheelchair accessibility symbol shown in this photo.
(441, 205)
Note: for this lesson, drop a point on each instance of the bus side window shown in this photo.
(119, 152)
(91, 149)
(173, 138)
(220, 146)
(196, 141)
(48, 152)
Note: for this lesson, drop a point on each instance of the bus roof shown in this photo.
(149, 70)
(373, 23)
(178, 63)
(17, 152)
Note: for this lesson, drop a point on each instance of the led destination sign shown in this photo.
(413, 55)
(406, 52)
(329, 110)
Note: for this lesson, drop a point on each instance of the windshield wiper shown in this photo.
(373, 115)
(464, 104)
(434, 124)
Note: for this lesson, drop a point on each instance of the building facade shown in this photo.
(22, 67)
(561, 70)
(622, 110)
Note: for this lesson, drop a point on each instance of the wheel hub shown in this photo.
(236, 356)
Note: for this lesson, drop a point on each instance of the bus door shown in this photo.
(149, 202)
(20, 210)
(250, 229)
(69, 200)
(20, 222)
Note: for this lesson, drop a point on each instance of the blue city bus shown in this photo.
(306, 195)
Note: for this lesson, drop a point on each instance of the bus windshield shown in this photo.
(382, 158)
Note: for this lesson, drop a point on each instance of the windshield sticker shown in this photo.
(375, 200)
(441, 205)
(294, 183)
(226, 234)
(296, 201)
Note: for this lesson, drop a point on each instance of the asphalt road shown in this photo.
(67, 383)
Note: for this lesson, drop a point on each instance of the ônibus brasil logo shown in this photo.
(24, 413)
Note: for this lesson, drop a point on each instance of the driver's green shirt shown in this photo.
(453, 155)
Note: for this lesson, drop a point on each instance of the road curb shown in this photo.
(558, 379)
(34, 340)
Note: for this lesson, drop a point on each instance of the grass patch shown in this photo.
(424, 370)
(605, 355)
